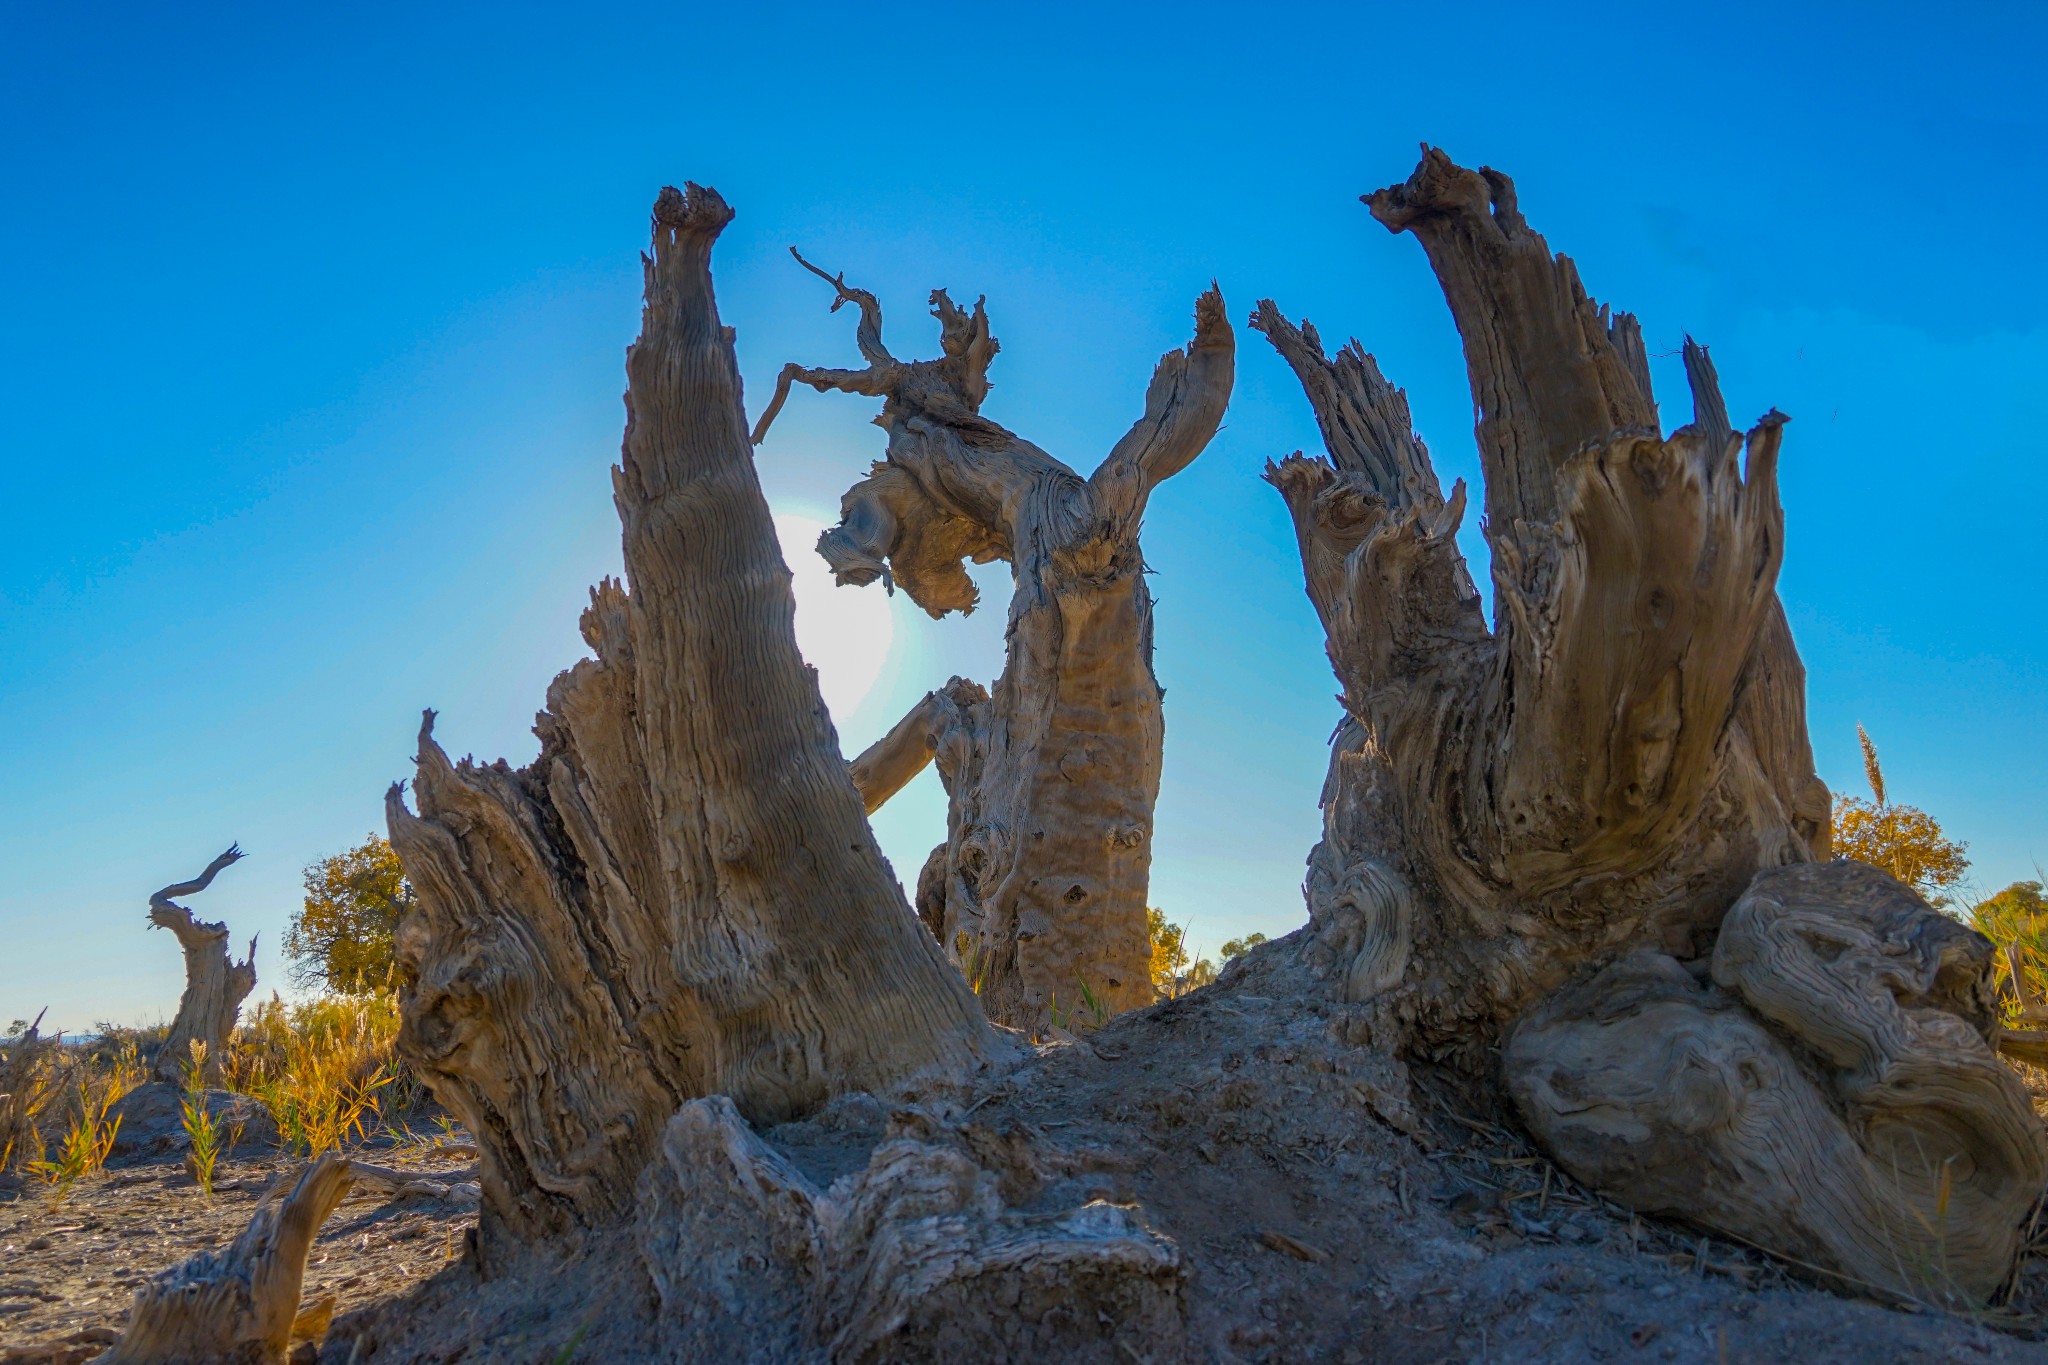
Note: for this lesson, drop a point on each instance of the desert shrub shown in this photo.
(122, 1050)
(325, 1068)
(1902, 840)
(2016, 919)
(87, 1139)
(29, 1080)
(341, 936)
(57, 1095)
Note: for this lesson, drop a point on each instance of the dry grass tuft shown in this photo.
(35, 1072)
(29, 1081)
(324, 1068)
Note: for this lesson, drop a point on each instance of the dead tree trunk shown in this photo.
(215, 984)
(1051, 777)
(680, 896)
(1594, 782)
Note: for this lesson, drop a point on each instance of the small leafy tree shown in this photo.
(341, 937)
(1902, 840)
(2019, 911)
(1238, 946)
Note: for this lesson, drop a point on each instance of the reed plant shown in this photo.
(203, 1133)
(87, 1141)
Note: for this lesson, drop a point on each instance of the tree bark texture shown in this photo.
(1594, 781)
(215, 984)
(1051, 776)
(680, 896)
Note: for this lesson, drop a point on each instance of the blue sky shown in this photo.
(311, 334)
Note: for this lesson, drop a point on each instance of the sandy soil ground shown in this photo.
(68, 1271)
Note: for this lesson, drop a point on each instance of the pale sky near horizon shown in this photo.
(311, 339)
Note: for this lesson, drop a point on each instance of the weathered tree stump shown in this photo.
(1052, 776)
(215, 984)
(1575, 858)
(1597, 779)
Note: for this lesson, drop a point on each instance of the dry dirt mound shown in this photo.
(1313, 1209)
(153, 1122)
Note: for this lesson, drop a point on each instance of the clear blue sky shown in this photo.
(311, 332)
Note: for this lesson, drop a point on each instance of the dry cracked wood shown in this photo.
(1051, 776)
(215, 984)
(1611, 761)
(237, 1306)
(681, 895)
(1601, 774)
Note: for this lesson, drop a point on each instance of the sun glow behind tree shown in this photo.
(845, 635)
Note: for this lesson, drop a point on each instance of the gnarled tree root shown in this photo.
(1829, 1093)
(917, 1257)
(235, 1307)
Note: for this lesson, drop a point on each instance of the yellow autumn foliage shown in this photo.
(1902, 840)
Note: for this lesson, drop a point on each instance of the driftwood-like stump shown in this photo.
(1039, 889)
(215, 984)
(236, 1306)
(1600, 776)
